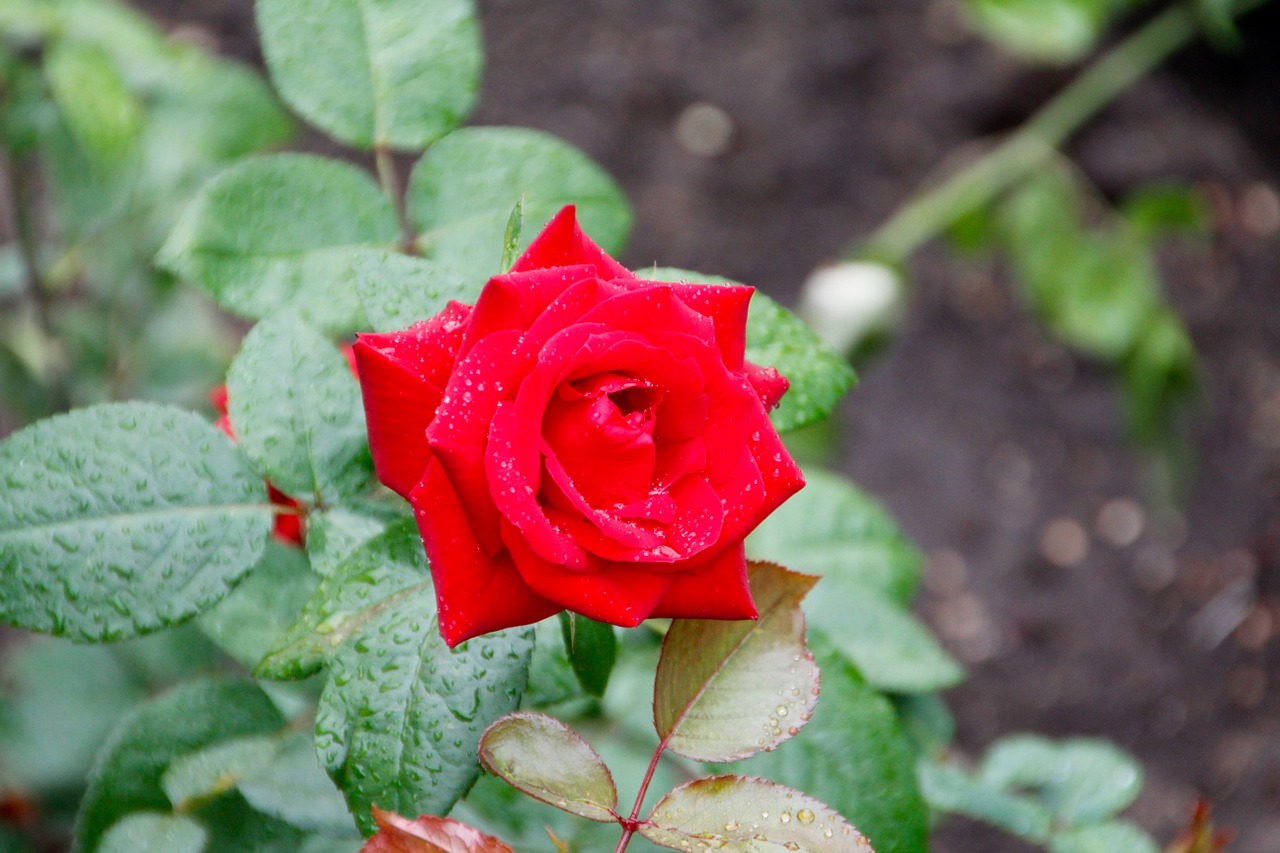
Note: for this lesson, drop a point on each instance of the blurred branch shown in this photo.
(933, 210)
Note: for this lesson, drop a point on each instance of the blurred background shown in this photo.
(1093, 581)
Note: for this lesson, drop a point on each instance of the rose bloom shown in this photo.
(581, 439)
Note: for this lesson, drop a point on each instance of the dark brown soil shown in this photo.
(974, 428)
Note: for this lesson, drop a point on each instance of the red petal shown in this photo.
(517, 300)
(781, 476)
(727, 307)
(715, 590)
(475, 593)
(616, 593)
(562, 242)
(768, 383)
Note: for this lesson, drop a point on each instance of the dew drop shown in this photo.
(782, 710)
(805, 815)
(785, 817)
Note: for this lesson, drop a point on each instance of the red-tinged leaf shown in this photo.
(547, 760)
(746, 814)
(729, 689)
(428, 834)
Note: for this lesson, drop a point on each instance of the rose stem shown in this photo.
(630, 824)
(928, 213)
(386, 166)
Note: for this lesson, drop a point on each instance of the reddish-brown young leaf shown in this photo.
(428, 834)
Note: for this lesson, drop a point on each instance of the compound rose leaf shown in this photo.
(725, 690)
(777, 338)
(549, 761)
(744, 814)
(462, 191)
(398, 290)
(123, 518)
(297, 411)
(396, 74)
(428, 834)
(401, 714)
(278, 232)
(373, 577)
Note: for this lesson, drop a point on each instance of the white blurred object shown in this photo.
(846, 303)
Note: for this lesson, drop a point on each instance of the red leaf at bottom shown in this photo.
(428, 834)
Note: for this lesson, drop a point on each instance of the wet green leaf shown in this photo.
(831, 527)
(296, 410)
(743, 814)
(148, 832)
(551, 676)
(123, 518)
(728, 689)
(398, 290)
(379, 574)
(396, 74)
(549, 761)
(248, 621)
(334, 534)
(401, 716)
(511, 236)
(592, 648)
(103, 115)
(461, 193)
(819, 375)
(279, 232)
(856, 755)
(126, 776)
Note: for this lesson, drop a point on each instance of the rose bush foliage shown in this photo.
(580, 439)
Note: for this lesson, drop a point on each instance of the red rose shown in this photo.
(581, 439)
(289, 527)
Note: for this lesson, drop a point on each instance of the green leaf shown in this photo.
(1082, 781)
(511, 237)
(398, 290)
(831, 527)
(334, 534)
(50, 728)
(950, 789)
(214, 770)
(126, 777)
(855, 753)
(461, 193)
(395, 74)
(1161, 209)
(551, 676)
(592, 647)
(101, 112)
(400, 718)
(1110, 837)
(819, 375)
(293, 786)
(1161, 369)
(296, 411)
(888, 645)
(549, 761)
(728, 689)
(147, 832)
(248, 621)
(279, 232)
(123, 518)
(743, 814)
(927, 721)
(1056, 31)
(378, 575)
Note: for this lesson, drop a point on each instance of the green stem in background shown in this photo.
(386, 166)
(927, 214)
(22, 202)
